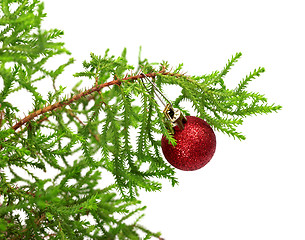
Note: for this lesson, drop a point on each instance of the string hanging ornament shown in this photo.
(195, 139)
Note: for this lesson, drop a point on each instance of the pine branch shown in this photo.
(83, 94)
(83, 140)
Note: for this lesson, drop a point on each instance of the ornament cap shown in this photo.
(175, 117)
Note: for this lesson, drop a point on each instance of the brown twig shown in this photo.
(76, 97)
(1, 116)
(62, 103)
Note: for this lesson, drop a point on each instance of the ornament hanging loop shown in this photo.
(156, 90)
(173, 116)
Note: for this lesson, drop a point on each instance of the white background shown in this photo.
(252, 189)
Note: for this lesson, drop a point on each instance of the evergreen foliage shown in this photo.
(80, 137)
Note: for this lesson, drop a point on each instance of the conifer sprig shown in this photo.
(223, 108)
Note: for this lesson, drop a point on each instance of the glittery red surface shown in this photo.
(196, 145)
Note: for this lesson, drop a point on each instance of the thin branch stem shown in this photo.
(76, 97)
(96, 88)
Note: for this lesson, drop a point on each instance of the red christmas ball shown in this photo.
(196, 145)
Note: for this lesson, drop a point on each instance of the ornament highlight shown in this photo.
(196, 145)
